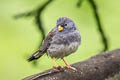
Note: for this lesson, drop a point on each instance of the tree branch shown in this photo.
(104, 66)
(37, 15)
(38, 20)
(100, 29)
(79, 3)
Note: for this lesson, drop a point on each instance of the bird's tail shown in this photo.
(35, 55)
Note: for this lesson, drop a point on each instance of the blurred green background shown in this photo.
(20, 38)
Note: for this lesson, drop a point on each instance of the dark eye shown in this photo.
(65, 24)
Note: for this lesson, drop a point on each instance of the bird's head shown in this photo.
(65, 24)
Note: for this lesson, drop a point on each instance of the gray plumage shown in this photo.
(59, 44)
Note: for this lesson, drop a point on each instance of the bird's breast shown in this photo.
(63, 45)
(61, 50)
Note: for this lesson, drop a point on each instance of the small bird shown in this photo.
(62, 41)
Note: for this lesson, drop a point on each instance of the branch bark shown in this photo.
(104, 66)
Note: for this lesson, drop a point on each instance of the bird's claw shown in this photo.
(70, 67)
(59, 68)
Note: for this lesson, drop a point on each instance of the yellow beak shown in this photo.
(60, 28)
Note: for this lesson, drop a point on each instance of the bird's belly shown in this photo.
(61, 50)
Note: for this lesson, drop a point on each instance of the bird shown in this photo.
(63, 40)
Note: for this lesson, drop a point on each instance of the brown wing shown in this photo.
(43, 47)
(46, 42)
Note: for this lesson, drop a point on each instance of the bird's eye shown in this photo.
(65, 24)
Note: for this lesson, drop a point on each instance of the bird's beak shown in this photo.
(60, 28)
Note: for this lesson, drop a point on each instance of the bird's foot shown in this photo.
(70, 67)
(59, 68)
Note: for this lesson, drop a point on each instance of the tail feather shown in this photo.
(35, 56)
(31, 58)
